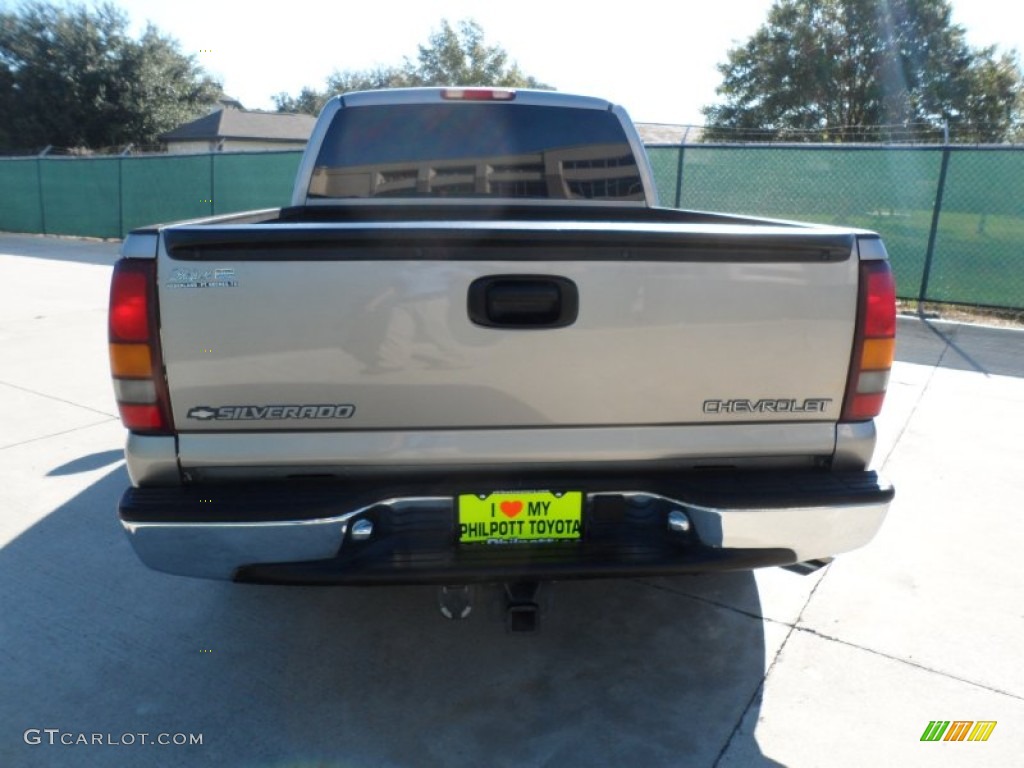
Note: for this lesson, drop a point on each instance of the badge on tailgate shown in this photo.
(270, 412)
(519, 517)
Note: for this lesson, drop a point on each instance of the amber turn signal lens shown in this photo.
(131, 361)
(878, 354)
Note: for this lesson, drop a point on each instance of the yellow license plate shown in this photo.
(511, 517)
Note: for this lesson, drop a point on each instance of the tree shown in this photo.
(1017, 134)
(462, 58)
(449, 57)
(73, 77)
(310, 101)
(828, 69)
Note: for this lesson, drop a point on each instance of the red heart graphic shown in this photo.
(511, 508)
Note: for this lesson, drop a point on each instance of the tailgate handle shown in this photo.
(523, 301)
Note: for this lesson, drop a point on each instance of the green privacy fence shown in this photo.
(952, 217)
(110, 196)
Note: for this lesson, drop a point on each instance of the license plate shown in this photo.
(512, 517)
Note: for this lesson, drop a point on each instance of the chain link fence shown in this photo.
(952, 216)
(110, 196)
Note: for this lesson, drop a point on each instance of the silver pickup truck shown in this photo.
(474, 349)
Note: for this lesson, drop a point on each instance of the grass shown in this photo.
(978, 259)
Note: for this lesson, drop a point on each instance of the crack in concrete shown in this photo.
(908, 662)
(753, 698)
(58, 434)
(795, 627)
(58, 399)
(771, 666)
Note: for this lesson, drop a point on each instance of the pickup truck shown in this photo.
(474, 350)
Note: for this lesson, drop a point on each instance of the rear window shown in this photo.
(476, 150)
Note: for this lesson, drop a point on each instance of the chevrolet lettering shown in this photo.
(790, 405)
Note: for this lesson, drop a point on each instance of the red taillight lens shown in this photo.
(129, 301)
(142, 418)
(135, 361)
(880, 310)
(874, 342)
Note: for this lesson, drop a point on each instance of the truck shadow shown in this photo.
(620, 673)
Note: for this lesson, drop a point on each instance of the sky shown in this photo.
(658, 58)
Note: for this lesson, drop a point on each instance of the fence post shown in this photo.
(936, 211)
(120, 197)
(39, 183)
(679, 177)
(212, 204)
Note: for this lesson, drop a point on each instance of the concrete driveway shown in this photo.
(846, 666)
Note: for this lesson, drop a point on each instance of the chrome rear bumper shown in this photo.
(285, 533)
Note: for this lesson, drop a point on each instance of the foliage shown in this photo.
(449, 57)
(820, 69)
(462, 58)
(311, 101)
(73, 77)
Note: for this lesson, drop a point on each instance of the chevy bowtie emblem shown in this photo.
(202, 412)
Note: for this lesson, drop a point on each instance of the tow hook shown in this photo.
(455, 602)
(522, 608)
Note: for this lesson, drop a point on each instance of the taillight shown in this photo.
(874, 344)
(135, 361)
(478, 94)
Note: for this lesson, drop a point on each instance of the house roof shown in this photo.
(231, 123)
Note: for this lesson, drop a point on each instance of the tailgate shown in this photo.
(474, 324)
